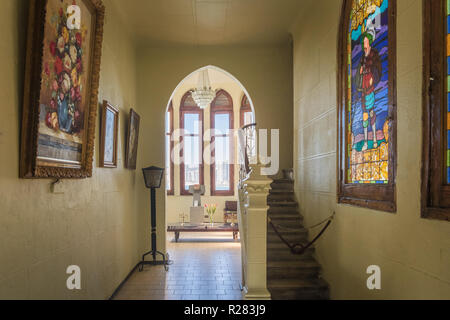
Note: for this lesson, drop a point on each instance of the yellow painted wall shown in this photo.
(91, 223)
(176, 204)
(413, 253)
(266, 73)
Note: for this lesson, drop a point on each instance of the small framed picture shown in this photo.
(132, 140)
(108, 136)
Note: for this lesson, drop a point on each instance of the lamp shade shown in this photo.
(153, 176)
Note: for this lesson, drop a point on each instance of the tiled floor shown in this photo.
(206, 266)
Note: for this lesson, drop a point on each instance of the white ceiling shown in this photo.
(210, 22)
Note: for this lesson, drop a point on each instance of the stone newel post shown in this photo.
(253, 208)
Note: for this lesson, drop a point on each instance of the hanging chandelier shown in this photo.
(204, 94)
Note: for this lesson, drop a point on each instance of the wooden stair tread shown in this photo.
(283, 181)
(282, 245)
(278, 191)
(278, 203)
(285, 215)
(291, 230)
(297, 283)
(293, 264)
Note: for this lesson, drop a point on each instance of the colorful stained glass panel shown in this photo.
(368, 97)
(447, 128)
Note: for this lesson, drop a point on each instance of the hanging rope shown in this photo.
(298, 248)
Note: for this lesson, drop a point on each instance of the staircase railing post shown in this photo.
(253, 219)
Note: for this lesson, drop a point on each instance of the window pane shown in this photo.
(251, 143)
(192, 123)
(168, 126)
(168, 168)
(222, 167)
(221, 123)
(191, 150)
(248, 118)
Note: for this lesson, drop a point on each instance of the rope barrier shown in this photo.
(298, 248)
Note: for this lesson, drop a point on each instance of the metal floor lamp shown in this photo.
(153, 177)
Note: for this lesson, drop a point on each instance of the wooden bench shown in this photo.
(204, 227)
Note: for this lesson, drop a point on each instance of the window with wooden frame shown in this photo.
(436, 111)
(247, 117)
(367, 124)
(169, 151)
(222, 168)
(191, 139)
(246, 112)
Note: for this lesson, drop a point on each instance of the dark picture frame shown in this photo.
(132, 142)
(61, 88)
(380, 197)
(109, 133)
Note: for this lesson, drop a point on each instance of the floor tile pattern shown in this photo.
(205, 267)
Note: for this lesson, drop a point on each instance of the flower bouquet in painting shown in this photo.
(211, 211)
(63, 77)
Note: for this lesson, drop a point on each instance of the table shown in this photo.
(204, 227)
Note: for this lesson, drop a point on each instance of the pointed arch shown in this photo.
(246, 93)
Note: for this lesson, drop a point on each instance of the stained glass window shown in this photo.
(368, 92)
(367, 104)
(447, 127)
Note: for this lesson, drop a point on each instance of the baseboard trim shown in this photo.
(255, 294)
(125, 280)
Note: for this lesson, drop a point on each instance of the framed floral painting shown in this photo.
(132, 140)
(61, 88)
(108, 136)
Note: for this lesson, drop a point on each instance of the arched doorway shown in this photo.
(231, 109)
(208, 134)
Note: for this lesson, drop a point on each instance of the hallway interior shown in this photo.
(205, 267)
(348, 99)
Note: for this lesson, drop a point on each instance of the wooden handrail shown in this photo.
(249, 126)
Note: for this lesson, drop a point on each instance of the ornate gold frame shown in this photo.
(30, 114)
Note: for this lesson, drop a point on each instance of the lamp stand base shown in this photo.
(165, 262)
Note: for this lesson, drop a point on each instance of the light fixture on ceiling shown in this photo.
(203, 95)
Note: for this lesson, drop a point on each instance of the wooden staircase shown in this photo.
(290, 276)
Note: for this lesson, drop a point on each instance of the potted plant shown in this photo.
(211, 210)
